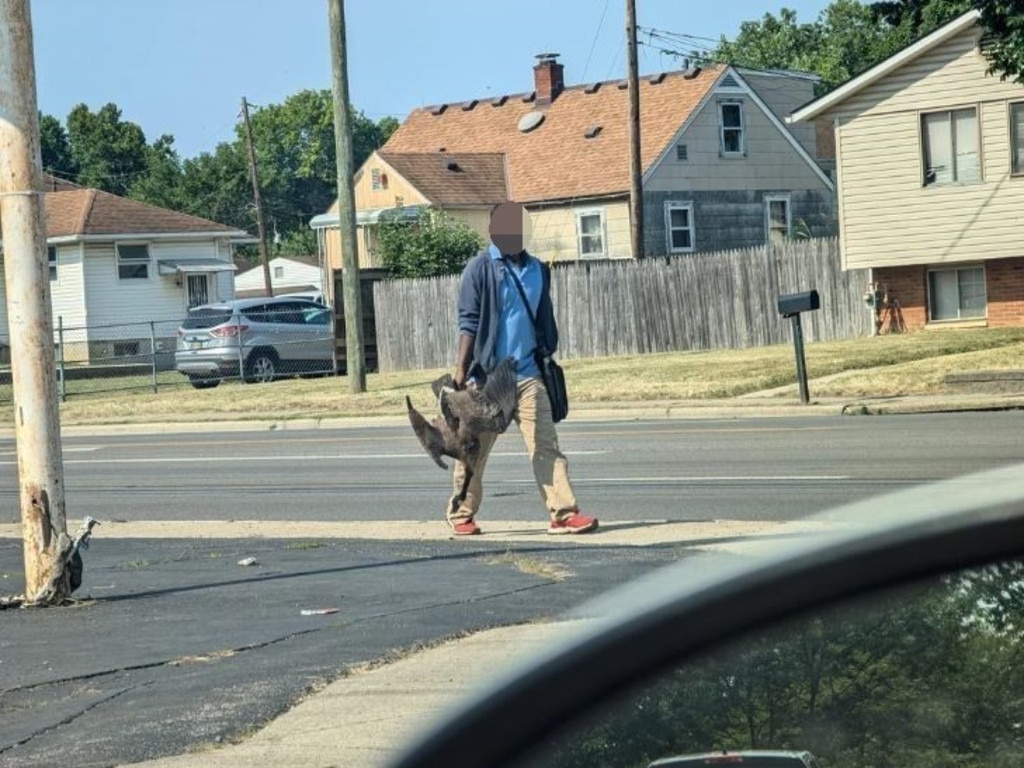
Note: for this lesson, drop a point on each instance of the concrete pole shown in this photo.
(29, 314)
(351, 298)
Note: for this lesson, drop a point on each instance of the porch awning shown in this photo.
(193, 266)
(371, 216)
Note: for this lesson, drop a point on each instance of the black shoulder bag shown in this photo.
(550, 370)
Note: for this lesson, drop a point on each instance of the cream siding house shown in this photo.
(930, 155)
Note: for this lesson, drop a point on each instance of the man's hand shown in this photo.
(459, 378)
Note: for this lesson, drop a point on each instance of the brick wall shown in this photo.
(1004, 280)
(1005, 286)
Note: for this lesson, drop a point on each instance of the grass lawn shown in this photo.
(912, 363)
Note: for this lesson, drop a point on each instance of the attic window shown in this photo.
(592, 88)
(729, 82)
(375, 181)
(656, 79)
(681, 152)
(592, 131)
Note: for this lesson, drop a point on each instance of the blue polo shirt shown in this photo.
(516, 335)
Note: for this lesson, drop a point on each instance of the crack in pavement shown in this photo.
(71, 718)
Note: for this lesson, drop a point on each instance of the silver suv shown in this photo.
(753, 758)
(259, 339)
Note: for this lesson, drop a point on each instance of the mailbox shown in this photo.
(794, 303)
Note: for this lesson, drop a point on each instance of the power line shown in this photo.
(593, 45)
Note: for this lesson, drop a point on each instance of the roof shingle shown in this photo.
(556, 160)
(453, 178)
(85, 211)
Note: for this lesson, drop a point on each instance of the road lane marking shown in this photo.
(230, 459)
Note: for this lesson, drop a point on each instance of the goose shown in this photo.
(466, 414)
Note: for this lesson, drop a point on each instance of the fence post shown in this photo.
(152, 351)
(60, 359)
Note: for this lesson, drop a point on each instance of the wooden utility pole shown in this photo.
(33, 368)
(254, 172)
(636, 192)
(355, 362)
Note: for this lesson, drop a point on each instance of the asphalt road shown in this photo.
(750, 469)
(180, 647)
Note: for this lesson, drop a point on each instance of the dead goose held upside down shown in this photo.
(466, 414)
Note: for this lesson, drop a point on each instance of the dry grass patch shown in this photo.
(671, 376)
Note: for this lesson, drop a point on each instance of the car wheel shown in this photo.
(203, 382)
(262, 368)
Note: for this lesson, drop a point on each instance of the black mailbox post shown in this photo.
(791, 305)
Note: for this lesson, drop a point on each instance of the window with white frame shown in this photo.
(590, 233)
(679, 226)
(132, 261)
(730, 114)
(957, 293)
(51, 255)
(777, 217)
(278, 271)
(1017, 138)
(950, 142)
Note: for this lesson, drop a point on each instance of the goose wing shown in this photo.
(494, 406)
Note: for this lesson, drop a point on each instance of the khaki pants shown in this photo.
(550, 467)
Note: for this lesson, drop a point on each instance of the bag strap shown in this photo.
(526, 303)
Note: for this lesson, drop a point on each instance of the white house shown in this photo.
(117, 265)
(288, 274)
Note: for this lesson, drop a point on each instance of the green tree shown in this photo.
(56, 148)
(434, 245)
(162, 183)
(109, 153)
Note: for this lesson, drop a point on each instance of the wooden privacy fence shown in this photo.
(724, 300)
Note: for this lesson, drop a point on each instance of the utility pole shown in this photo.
(256, 197)
(30, 316)
(356, 365)
(636, 193)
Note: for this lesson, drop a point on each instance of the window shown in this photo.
(956, 293)
(679, 226)
(681, 152)
(132, 261)
(1017, 137)
(278, 271)
(951, 147)
(590, 233)
(51, 254)
(731, 119)
(126, 348)
(777, 216)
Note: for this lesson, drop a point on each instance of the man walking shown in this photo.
(494, 324)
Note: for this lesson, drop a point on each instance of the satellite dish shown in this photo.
(530, 120)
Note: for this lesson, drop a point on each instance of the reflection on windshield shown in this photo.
(927, 677)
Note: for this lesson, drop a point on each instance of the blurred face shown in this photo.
(507, 228)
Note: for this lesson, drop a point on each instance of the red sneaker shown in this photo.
(575, 523)
(466, 528)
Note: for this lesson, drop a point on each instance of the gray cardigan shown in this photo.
(480, 309)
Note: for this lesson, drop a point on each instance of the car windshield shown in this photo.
(206, 317)
(377, 343)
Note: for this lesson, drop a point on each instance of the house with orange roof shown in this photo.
(117, 264)
(721, 169)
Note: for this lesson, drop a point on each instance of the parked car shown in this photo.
(259, 339)
(754, 758)
(866, 634)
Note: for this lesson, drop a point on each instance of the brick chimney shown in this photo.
(548, 80)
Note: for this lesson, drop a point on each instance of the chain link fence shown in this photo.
(256, 345)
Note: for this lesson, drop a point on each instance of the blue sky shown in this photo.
(182, 67)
